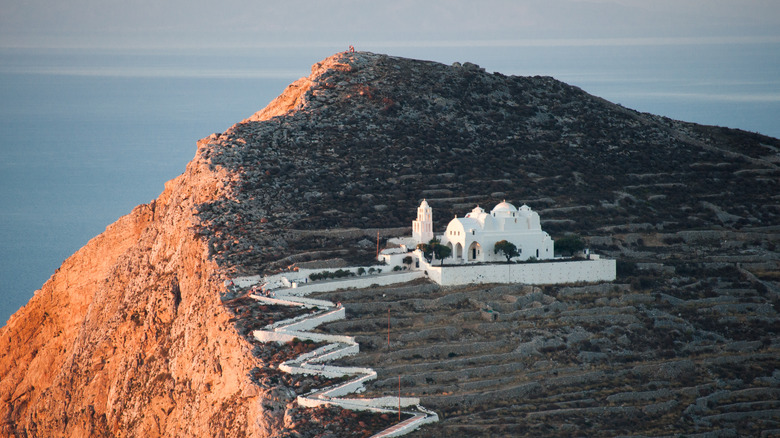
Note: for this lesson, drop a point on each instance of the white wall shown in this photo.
(301, 276)
(590, 271)
(355, 282)
(393, 260)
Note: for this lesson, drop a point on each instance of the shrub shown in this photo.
(625, 268)
(569, 244)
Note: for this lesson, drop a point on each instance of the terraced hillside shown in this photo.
(684, 342)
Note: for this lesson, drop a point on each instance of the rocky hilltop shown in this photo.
(136, 334)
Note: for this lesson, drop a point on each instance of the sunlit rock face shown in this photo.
(136, 334)
(129, 337)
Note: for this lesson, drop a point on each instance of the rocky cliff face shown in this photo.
(129, 337)
(135, 335)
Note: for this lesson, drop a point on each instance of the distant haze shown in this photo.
(240, 23)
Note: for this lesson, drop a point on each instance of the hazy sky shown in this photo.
(237, 23)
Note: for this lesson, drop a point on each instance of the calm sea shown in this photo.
(87, 135)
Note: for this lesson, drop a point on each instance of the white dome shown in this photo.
(504, 207)
(476, 212)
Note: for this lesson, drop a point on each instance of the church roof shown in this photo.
(424, 204)
(476, 212)
(466, 223)
(504, 206)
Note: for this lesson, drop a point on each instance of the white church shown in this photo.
(472, 238)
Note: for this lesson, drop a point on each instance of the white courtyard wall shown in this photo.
(589, 271)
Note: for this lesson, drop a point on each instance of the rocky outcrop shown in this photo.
(129, 336)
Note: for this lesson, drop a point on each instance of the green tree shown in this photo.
(441, 252)
(427, 251)
(569, 244)
(434, 249)
(507, 248)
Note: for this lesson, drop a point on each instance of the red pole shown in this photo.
(399, 398)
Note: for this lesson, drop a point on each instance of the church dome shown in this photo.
(476, 212)
(504, 207)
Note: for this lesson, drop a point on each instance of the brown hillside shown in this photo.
(136, 334)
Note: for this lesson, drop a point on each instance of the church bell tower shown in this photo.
(422, 228)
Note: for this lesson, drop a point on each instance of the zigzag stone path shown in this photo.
(337, 347)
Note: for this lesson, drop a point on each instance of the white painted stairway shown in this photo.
(314, 361)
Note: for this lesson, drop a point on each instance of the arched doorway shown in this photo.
(475, 251)
(458, 251)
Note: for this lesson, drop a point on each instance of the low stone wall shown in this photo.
(314, 321)
(287, 336)
(589, 271)
(409, 425)
(355, 282)
(354, 386)
(379, 404)
(299, 301)
(300, 280)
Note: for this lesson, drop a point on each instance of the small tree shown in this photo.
(426, 250)
(408, 260)
(434, 249)
(569, 244)
(507, 248)
(441, 252)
